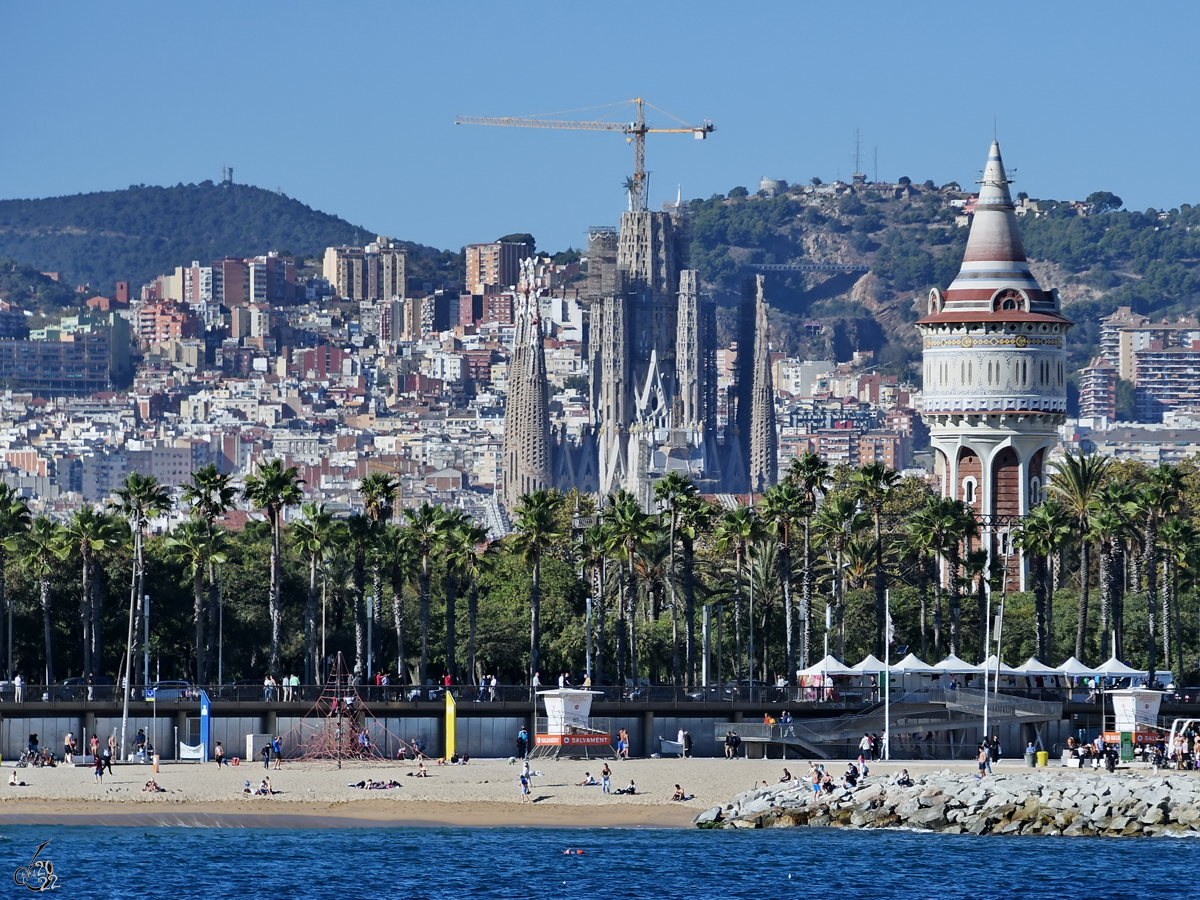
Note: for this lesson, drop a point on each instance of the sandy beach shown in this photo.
(484, 793)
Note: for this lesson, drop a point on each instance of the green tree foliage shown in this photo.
(143, 231)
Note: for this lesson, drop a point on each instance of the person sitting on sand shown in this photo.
(786, 777)
(12, 781)
(588, 780)
(422, 772)
(678, 795)
(632, 789)
(264, 788)
(151, 787)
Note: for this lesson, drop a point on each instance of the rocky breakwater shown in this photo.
(1040, 802)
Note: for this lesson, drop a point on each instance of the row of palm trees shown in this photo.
(820, 537)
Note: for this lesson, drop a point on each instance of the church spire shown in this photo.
(527, 437)
(764, 442)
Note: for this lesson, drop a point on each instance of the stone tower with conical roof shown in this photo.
(764, 443)
(527, 437)
(994, 386)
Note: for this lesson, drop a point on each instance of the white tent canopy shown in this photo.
(910, 665)
(1114, 668)
(1034, 666)
(989, 667)
(1075, 669)
(828, 666)
(870, 665)
(954, 665)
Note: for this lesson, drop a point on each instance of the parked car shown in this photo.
(77, 689)
(165, 691)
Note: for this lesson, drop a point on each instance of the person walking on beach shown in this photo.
(107, 758)
(606, 780)
(524, 789)
(277, 751)
(219, 755)
(99, 769)
(982, 758)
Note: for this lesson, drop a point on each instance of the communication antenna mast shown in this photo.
(858, 177)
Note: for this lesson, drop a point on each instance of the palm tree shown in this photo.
(919, 545)
(379, 492)
(629, 530)
(14, 523)
(211, 494)
(423, 528)
(400, 556)
(192, 545)
(361, 536)
(312, 535)
(1110, 526)
(88, 533)
(951, 522)
(594, 548)
(1179, 541)
(672, 492)
(1039, 535)
(694, 519)
(272, 489)
(1156, 500)
(811, 473)
(737, 531)
(43, 544)
(455, 553)
(835, 524)
(477, 556)
(782, 508)
(1077, 483)
(138, 500)
(537, 527)
(871, 485)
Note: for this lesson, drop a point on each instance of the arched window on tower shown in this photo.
(1035, 491)
(970, 488)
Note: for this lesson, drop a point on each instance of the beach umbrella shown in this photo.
(828, 666)
(1033, 666)
(954, 665)
(910, 665)
(1073, 668)
(1114, 668)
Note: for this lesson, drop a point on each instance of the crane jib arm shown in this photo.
(625, 127)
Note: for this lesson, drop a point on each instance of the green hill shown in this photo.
(144, 231)
(908, 236)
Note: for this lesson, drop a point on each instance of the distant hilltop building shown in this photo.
(495, 267)
(994, 371)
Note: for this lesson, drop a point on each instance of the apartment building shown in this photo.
(494, 267)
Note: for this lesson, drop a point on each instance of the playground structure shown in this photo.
(340, 727)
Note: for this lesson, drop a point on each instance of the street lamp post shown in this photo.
(146, 644)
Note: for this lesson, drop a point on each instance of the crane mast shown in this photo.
(635, 131)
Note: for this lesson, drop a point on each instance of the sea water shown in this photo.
(648, 864)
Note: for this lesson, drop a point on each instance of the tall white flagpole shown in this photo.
(887, 677)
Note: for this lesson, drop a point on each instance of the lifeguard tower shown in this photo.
(1135, 719)
(568, 727)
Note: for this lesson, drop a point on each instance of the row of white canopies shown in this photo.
(954, 665)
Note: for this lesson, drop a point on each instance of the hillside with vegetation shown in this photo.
(143, 231)
(911, 237)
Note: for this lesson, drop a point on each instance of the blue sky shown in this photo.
(349, 107)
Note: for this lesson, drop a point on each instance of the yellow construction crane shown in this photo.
(636, 132)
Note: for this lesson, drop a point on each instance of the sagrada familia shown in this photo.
(652, 359)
